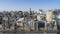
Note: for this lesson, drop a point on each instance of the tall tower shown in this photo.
(30, 11)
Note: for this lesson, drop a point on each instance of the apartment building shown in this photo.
(51, 23)
(40, 15)
(49, 15)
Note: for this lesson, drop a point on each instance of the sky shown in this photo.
(26, 4)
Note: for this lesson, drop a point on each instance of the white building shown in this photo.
(40, 15)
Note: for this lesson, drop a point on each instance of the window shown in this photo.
(41, 24)
(19, 21)
(29, 23)
(0, 20)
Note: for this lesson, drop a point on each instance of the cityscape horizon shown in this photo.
(29, 17)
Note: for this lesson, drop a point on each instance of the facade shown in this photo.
(40, 24)
(51, 23)
(49, 15)
(19, 23)
(40, 15)
(27, 22)
(58, 16)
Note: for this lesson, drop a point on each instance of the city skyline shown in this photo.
(26, 4)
